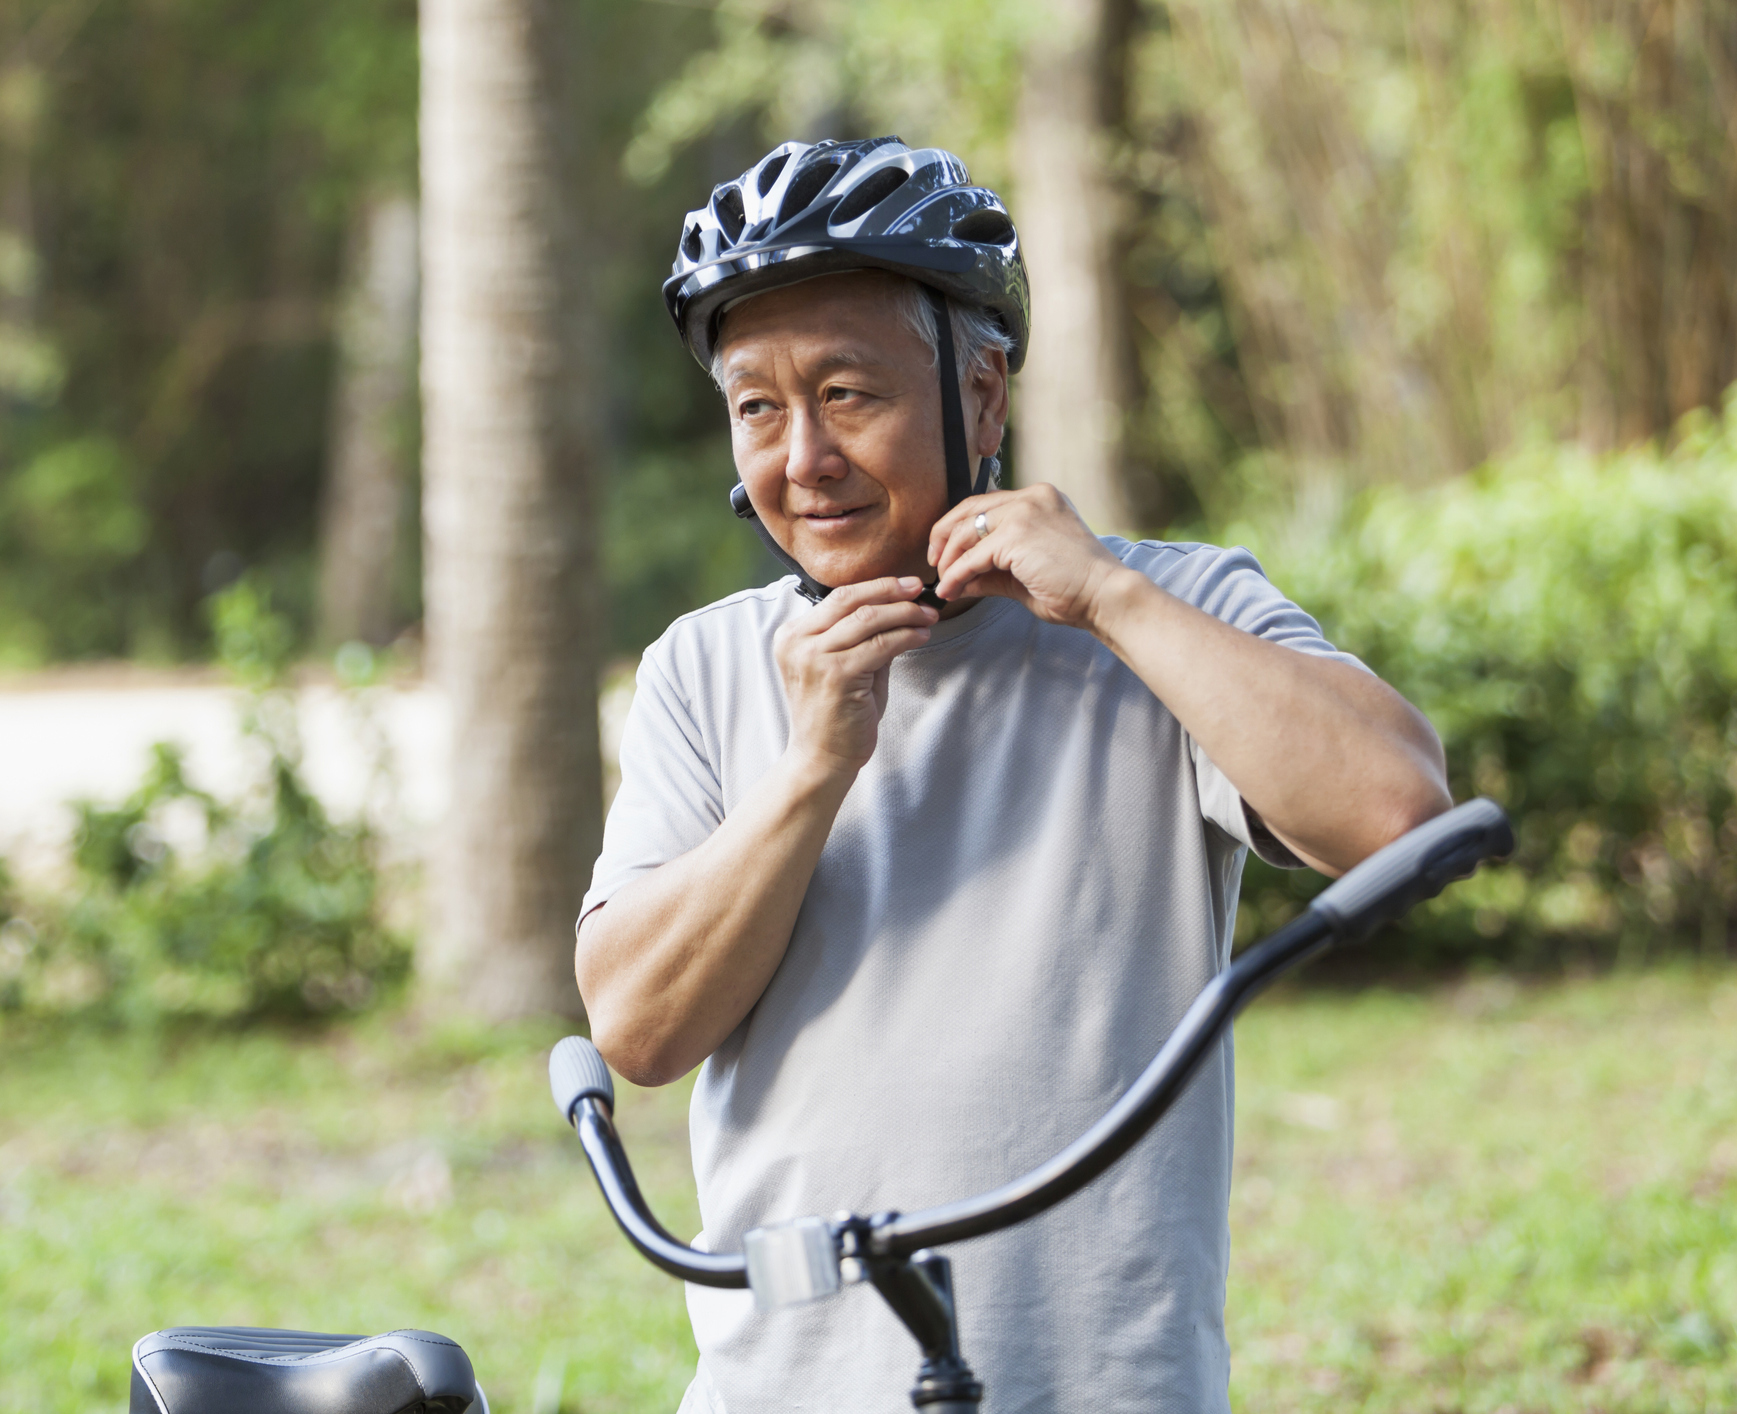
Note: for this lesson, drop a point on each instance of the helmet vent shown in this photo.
(728, 205)
(870, 195)
(691, 246)
(984, 226)
(807, 185)
(768, 177)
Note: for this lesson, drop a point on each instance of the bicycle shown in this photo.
(218, 1370)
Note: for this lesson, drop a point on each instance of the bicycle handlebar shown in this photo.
(1416, 866)
(575, 1071)
(615, 1177)
(1413, 868)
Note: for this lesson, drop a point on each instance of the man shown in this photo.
(924, 872)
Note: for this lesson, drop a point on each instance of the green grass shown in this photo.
(1489, 1199)
(1481, 1198)
(374, 1178)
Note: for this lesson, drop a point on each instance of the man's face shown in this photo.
(835, 421)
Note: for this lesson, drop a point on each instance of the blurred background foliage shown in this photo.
(1569, 623)
(175, 182)
(1357, 244)
(190, 908)
(1433, 305)
(180, 187)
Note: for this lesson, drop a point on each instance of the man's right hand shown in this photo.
(675, 960)
(834, 660)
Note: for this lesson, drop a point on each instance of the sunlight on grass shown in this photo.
(372, 1179)
(1476, 1199)
(1489, 1198)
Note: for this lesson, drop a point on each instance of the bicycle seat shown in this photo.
(225, 1369)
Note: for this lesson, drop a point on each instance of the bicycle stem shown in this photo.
(920, 1291)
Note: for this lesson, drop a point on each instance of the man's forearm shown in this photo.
(1335, 762)
(675, 960)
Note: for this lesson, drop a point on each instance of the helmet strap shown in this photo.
(807, 586)
(988, 476)
(952, 409)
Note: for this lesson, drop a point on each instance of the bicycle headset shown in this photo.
(807, 209)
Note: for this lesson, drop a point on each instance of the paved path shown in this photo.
(70, 736)
(87, 734)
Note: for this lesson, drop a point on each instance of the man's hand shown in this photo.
(671, 965)
(1334, 761)
(1037, 550)
(834, 660)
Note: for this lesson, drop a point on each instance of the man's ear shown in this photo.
(990, 393)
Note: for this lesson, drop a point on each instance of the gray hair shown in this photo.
(975, 332)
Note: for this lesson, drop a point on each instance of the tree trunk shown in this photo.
(1079, 380)
(30, 371)
(365, 483)
(1661, 231)
(513, 603)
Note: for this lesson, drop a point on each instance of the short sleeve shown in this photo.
(1231, 586)
(669, 801)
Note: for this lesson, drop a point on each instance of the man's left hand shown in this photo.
(1034, 548)
(1333, 761)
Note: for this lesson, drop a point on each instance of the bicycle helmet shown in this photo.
(807, 209)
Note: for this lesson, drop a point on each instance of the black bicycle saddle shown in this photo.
(239, 1370)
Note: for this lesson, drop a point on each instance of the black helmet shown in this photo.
(807, 209)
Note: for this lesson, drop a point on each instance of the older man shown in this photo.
(924, 871)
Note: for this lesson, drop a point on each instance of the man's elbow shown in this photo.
(630, 1026)
(637, 1057)
(1422, 798)
(629, 1042)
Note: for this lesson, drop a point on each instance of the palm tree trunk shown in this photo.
(30, 372)
(365, 483)
(1661, 230)
(1079, 380)
(512, 596)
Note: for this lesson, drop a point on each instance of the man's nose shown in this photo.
(811, 456)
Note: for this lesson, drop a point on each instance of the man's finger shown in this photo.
(964, 537)
(1007, 515)
(963, 514)
(974, 560)
(866, 620)
(872, 656)
(848, 598)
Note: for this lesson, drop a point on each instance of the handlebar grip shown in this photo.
(1416, 866)
(575, 1071)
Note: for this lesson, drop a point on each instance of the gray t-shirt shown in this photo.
(1026, 886)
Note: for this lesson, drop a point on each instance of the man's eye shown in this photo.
(753, 407)
(834, 395)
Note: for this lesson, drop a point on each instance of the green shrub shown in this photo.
(1569, 623)
(278, 913)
